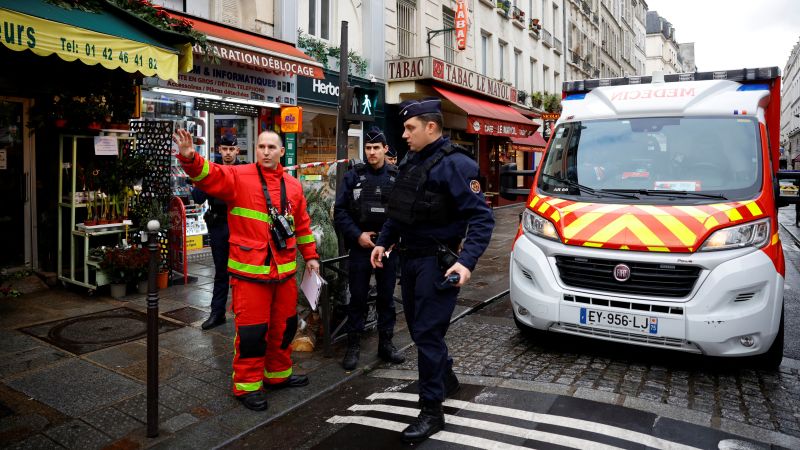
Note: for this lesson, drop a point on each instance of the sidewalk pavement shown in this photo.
(787, 217)
(73, 367)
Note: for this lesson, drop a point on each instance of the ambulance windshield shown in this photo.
(700, 159)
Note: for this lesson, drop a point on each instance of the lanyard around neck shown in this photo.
(284, 201)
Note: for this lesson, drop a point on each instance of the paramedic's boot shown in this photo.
(429, 422)
(386, 350)
(350, 360)
(256, 401)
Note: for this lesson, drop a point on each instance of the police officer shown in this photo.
(359, 214)
(436, 202)
(391, 156)
(216, 219)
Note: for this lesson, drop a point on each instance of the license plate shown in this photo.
(609, 319)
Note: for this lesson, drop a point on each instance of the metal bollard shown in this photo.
(152, 330)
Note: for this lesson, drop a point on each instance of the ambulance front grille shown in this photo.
(648, 279)
(622, 336)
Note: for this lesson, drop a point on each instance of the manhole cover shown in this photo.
(187, 315)
(96, 331)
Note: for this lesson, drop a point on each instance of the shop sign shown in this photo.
(461, 24)
(45, 37)
(326, 91)
(292, 119)
(229, 79)
(492, 127)
(550, 116)
(427, 67)
(261, 60)
(222, 107)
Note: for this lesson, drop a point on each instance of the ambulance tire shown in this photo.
(771, 360)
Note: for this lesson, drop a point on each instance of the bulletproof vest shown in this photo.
(368, 200)
(410, 203)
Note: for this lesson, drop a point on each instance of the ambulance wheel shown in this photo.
(526, 330)
(771, 360)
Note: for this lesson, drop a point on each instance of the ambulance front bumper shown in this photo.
(736, 300)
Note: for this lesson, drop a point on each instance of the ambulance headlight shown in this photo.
(537, 225)
(753, 234)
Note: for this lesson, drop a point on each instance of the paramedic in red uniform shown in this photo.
(268, 224)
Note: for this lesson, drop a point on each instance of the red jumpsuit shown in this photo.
(262, 276)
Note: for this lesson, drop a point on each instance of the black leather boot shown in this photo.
(386, 350)
(256, 401)
(350, 360)
(215, 319)
(429, 421)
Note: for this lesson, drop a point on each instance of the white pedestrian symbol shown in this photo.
(366, 106)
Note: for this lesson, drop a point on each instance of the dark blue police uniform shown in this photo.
(216, 219)
(359, 267)
(456, 209)
(359, 208)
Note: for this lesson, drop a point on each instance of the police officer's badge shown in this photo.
(475, 186)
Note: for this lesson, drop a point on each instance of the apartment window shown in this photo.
(484, 53)
(319, 18)
(501, 59)
(449, 21)
(517, 68)
(542, 12)
(534, 80)
(199, 8)
(546, 78)
(406, 27)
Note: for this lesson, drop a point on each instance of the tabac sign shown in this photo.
(427, 67)
(461, 24)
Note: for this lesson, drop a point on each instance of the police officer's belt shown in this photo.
(421, 252)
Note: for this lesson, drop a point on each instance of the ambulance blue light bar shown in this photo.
(742, 75)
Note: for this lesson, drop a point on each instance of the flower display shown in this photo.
(125, 265)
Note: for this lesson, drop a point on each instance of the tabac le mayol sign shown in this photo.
(427, 67)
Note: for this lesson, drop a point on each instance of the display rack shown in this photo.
(82, 270)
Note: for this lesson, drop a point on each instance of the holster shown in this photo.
(445, 257)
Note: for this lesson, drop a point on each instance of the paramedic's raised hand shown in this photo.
(184, 141)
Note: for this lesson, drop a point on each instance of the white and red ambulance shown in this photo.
(652, 219)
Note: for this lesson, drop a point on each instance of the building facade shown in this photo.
(790, 110)
(663, 53)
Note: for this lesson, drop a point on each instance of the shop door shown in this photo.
(243, 128)
(15, 223)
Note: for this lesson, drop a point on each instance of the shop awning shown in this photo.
(534, 142)
(256, 50)
(112, 37)
(485, 117)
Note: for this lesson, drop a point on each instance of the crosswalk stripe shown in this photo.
(446, 436)
(486, 425)
(562, 421)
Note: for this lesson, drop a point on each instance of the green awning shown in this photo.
(112, 37)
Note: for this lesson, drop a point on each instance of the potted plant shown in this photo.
(123, 266)
(536, 99)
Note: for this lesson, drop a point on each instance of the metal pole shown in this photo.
(152, 331)
(342, 125)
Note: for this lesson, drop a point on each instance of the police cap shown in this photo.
(391, 153)
(413, 108)
(227, 139)
(375, 136)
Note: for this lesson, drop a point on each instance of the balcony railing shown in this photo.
(547, 38)
(586, 8)
(574, 58)
(586, 66)
(517, 14)
(557, 44)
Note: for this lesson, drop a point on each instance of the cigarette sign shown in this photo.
(461, 24)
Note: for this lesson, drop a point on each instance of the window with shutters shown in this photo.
(449, 21)
(406, 27)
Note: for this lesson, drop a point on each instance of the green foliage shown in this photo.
(7, 277)
(552, 103)
(536, 99)
(145, 210)
(320, 51)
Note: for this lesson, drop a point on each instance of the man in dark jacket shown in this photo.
(360, 211)
(441, 224)
(216, 219)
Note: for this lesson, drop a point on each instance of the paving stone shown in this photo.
(78, 435)
(179, 422)
(136, 407)
(30, 359)
(37, 441)
(75, 387)
(112, 422)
